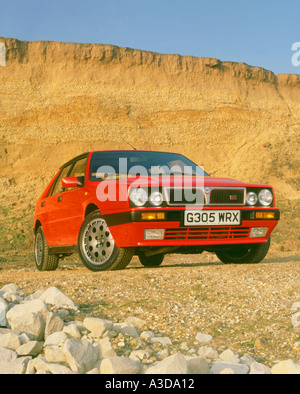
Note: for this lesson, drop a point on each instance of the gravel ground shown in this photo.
(246, 308)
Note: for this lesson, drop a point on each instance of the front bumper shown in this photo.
(128, 229)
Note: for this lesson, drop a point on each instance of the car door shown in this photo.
(53, 214)
(68, 206)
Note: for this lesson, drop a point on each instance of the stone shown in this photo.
(35, 306)
(219, 366)
(204, 338)
(105, 349)
(9, 339)
(55, 354)
(81, 355)
(172, 365)
(259, 369)
(208, 352)
(3, 311)
(126, 329)
(15, 367)
(31, 348)
(136, 322)
(97, 326)
(229, 356)
(53, 324)
(29, 323)
(55, 339)
(119, 365)
(287, 367)
(10, 288)
(72, 331)
(7, 355)
(197, 366)
(147, 335)
(55, 297)
(162, 340)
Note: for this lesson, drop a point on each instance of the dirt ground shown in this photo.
(246, 308)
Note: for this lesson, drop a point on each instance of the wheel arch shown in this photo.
(90, 208)
(37, 224)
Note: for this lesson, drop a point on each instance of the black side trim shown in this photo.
(69, 249)
(171, 216)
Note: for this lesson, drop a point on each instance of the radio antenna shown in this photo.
(128, 144)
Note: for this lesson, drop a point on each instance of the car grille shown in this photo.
(186, 196)
(190, 233)
(227, 196)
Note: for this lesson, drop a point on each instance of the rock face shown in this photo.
(96, 346)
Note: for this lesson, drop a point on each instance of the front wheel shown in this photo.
(97, 247)
(244, 254)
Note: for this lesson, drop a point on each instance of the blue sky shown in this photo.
(259, 33)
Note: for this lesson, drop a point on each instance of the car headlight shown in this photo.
(138, 196)
(156, 199)
(265, 197)
(251, 198)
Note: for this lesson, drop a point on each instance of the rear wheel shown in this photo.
(97, 247)
(151, 261)
(43, 260)
(244, 254)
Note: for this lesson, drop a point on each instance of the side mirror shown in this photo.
(72, 182)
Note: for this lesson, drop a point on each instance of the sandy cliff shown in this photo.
(60, 99)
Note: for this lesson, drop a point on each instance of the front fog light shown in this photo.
(252, 198)
(154, 234)
(265, 197)
(258, 232)
(138, 196)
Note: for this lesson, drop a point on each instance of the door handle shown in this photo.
(43, 204)
(59, 199)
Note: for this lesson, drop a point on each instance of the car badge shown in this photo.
(233, 198)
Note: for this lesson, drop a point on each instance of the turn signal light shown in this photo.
(153, 216)
(265, 215)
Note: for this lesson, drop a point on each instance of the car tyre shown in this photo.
(43, 260)
(97, 248)
(151, 261)
(248, 254)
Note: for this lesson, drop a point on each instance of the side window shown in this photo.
(79, 168)
(58, 186)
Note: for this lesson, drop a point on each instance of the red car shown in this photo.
(111, 205)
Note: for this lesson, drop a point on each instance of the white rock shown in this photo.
(119, 365)
(136, 322)
(3, 311)
(259, 369)
(208, 352)
(72, 331)
(296, 306)
(173, 365)
(29, 323)
(126, 329)
(7, 355)
(229, 356)
(105, 349)
(203, 338)
(287, 367)
(296, 320)
(14, 367)
(58, 338)
(219, 366)
(139, 355)
(227, 371)
(147, 335)
(53, 324)
(97, 326)
(163, 340)
(55, 354)
(36, 306)
(10, 288)
(9, 339)
(247, 359)
(54, 296)
(81, 355)
(31, 348)
(198, 366)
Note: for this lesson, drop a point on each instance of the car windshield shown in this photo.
(121, 164)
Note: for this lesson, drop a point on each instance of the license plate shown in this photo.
(212, 218)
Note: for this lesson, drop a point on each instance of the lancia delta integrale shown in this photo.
(111, 205)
